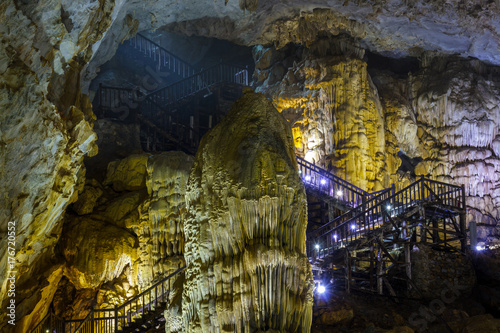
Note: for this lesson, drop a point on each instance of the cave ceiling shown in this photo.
(392, 28)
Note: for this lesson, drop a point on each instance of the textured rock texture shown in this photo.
(46, 129)
(333, 107)
(245, 232)
(438, 272)
(445, 114)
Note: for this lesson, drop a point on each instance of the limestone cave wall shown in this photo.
(343, 116)
(354, 121)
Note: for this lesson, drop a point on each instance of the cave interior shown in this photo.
(246, 166)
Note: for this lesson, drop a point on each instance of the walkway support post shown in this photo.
(463, 221)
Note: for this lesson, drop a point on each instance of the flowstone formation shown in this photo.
(327, 95)
(245, 232)
(356, 120)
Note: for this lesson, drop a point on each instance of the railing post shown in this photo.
(422, 189)
(463, 197)
(92, 321)
(116, 319)
(463, 221)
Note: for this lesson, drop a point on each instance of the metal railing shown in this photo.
(113, 100)
(162, 57)
(379, 210)
(159, 99)
(330, 185)
(115, 319)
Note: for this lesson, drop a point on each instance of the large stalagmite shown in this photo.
(245, 232)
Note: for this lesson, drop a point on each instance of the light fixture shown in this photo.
(323, 181)
(335, 237)
(339, 193)
(389, 207)
(321, 289)
(307, 178)
(353, 227)
(480, 248)
(316, 246)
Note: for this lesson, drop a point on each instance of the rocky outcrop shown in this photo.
(436, 273)
(245, 232)
(451, 111)
(46, 130)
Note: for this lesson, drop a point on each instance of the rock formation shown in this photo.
(446, 114)
(245, 232)
(333, 107)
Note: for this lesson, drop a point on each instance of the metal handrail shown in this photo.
(112, 97)
(164, 57)
(195, 83)
(379, 213)
(112, 319)
(49, 321)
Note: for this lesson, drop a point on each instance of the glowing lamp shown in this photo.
(321, 289)
(335, 237)
(316, 246)
(339, 193)
(323, 181)
(480, 248)
(389, 207)
(307, 178)
(353, 227)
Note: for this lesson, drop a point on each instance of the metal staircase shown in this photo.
(160, 57)
(369, 246)
(157, 111)
(141, 313)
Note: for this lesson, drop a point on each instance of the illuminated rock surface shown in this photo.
(334, 111)
(245, 232)
(446, 114)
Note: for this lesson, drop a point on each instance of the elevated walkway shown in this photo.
(139, 314)
(159, 57)
(369, 247)
(360, 247)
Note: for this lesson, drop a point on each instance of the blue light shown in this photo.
(307, 178)
(323, 181)
(321, 289)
